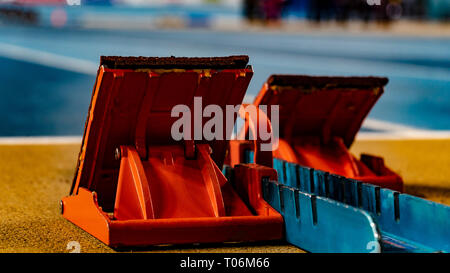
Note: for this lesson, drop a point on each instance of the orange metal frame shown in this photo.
(136, 186)
(318, 123)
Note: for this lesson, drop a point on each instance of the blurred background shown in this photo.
(50, 49)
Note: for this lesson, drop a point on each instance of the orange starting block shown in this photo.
(318, 120)
(135, 185)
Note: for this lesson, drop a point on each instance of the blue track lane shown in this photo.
(39, 99)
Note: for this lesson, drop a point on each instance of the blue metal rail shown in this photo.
(318, 224)
(406, 223)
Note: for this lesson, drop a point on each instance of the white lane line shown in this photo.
(395, 131)
(398, 135)
(45, 140)
(406, 135)
(381, 125)
(48, 59)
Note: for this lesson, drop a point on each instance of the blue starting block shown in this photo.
(324, 212)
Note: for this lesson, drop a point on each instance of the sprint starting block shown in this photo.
(135, 185)
(319, 118)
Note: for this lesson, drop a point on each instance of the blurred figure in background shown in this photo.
(270, 11)
(273, 10)
(252, 10)
(18, 14)
(415, 8)
(366, 10)
(320, 10)
(343, 9)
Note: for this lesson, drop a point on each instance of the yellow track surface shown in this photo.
(33, 178)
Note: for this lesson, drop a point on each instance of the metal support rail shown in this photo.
(406, 223)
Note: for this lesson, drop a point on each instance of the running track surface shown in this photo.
(47, 74)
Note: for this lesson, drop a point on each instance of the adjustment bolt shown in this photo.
(61, 206)
(117, 154)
